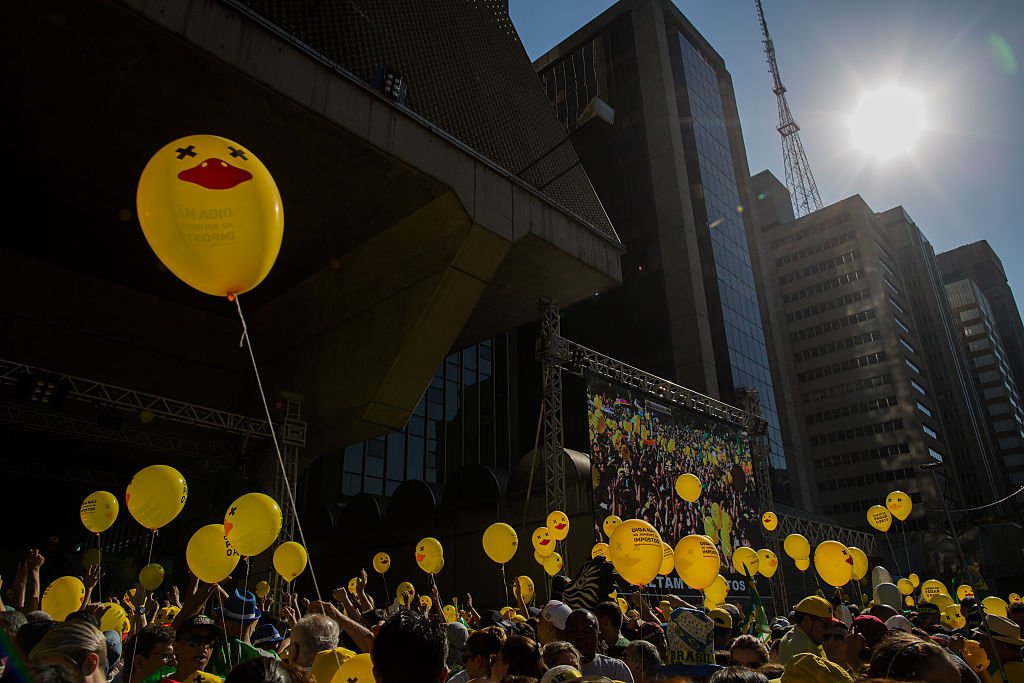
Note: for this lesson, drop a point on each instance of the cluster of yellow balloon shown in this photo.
(430, 555)
(635, 549)
(897, 504)
(290, 560)
(211, 212)
(715, 594)
(500, 542)
(799, 550)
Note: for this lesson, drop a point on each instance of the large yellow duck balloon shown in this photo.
(211, 211)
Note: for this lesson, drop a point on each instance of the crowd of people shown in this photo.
(630, 446)
(209, 634)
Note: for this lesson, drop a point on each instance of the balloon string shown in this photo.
(99, 575)
(246, 341)
(906, 547)
(504, 582)
(386, 591)
(135, 617)
(892, 553)
(245, 582)
(224, 625)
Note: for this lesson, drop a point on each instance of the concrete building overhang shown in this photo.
(400, 241)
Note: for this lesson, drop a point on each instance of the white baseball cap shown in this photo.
(560, 674)
(556, 612)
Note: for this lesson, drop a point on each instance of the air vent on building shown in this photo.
(391, 83)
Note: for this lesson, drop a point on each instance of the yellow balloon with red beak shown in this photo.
(899, 504)
(834, 563)
(212, 213)
(430, 555)
(558, 525)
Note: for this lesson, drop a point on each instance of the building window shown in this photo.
(918, 387)
(935, 454)
(929, 431)
(911, 365)
(924, 409)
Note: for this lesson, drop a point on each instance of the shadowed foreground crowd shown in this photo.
(212, 635)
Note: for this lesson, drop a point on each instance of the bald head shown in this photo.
(581, 629)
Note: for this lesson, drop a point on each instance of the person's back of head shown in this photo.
(11, 621)
(77, 643)
(522, 656)
(610, 612)
(772, 670)
(313, 633)
(410, 648)
(262, 670)
(906, 657)
(53, 673)
(737, 674)
(642, 659)
(561, 652)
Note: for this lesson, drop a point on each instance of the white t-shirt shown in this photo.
(614, 669)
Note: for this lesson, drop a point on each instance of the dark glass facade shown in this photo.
(728, 275)
(463, 418)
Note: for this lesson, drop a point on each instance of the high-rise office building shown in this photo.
(673, 177)
(869, 412)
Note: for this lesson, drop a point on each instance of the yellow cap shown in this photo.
(815, 606)
(721, 618)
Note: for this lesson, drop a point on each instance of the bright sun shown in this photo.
(888, 122)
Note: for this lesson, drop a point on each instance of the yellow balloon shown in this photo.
(450, 613)
(609, 524)
(717, 591)
(538, 558)
(426, 601)
(952, 617)
(1014, 597)
(430, 555)
(290, 560)
(114, 618)
(209, 554)
(91, 557)
(963, 591)
(599, 550)
(770, 521)
(899, 504)
(745, 559)
(155, 496)
(908, 601)
(915, 579)
(151, 576)
(802, 564)
(553, 564)
(501, 542)
(991, 605)
(64, 596)
(767, 563)
(252, 523)
(358, 669)
(526, 588)
(635, 551)
(558, 525)
(404, 587)
(879, 518)
(931, 588)
(697, 561)
(98, 511)
(381, 563)
(942, 601)
(860, 562)
(212, 214)
(905, 586)
(623, 605)
(797, 547)
(668, 559)
(543, 544)
(688, 487)
(262, 589)
(833, 562)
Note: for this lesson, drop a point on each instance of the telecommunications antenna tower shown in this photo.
(799, 179)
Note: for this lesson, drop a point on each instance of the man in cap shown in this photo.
(240, 616)
(928, 617)
(813, 615)
(1005, 644)
(723, 627)
(194, 643)
(551, 626)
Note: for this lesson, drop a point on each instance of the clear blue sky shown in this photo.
(965, 180)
